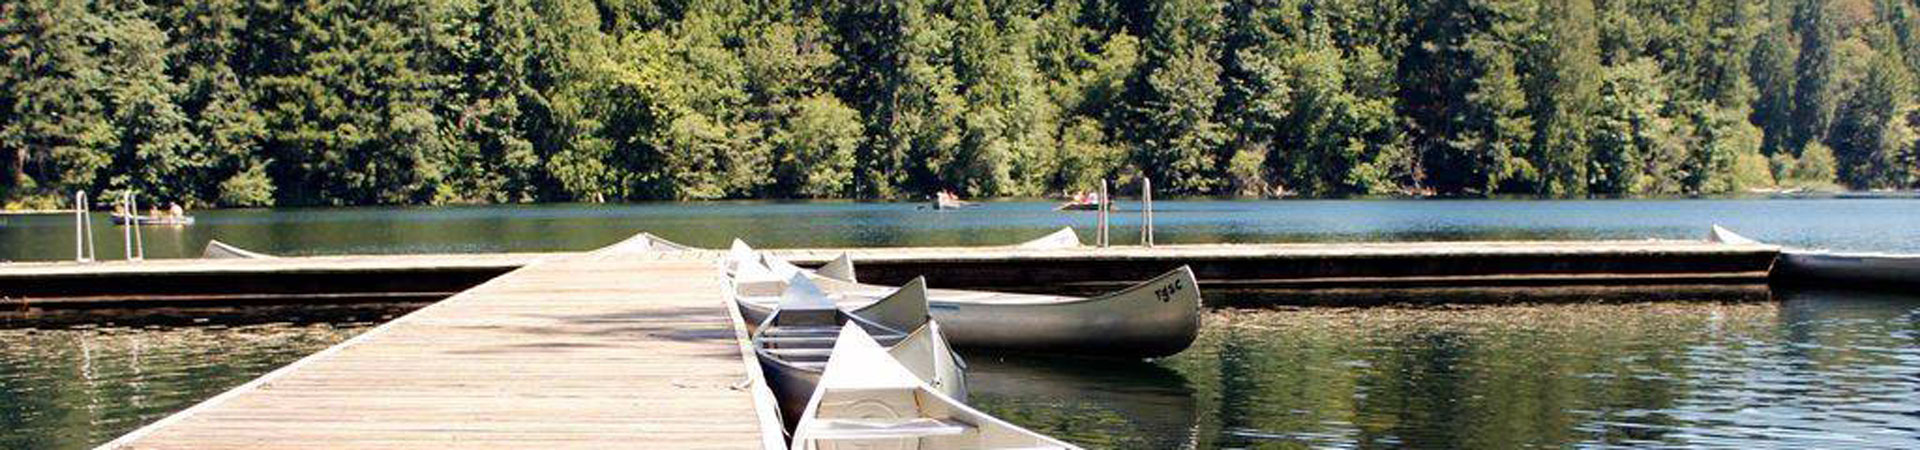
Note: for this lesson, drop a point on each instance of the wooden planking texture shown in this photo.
(578, 351)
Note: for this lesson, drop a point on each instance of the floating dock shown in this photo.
(569, 351)
(1317, 273)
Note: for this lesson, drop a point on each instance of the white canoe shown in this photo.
(794, 343)
(1864, 269)
(221, 250)
(866, 398)
(1722, 235)
(1850, 269)
(1064, 238)
(1158, 317)
(644, 242)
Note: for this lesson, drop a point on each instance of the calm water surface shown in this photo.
(1812, 370)
(1859, 224)
(77, 388)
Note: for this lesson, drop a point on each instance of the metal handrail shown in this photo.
(136, 248)
(82, 229)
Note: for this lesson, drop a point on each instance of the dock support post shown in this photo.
(1146, 212)
(1106, 207)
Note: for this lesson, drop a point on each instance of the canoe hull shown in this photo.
(221, 250)
(1859, 269)
(1156, 318)
(792, 387)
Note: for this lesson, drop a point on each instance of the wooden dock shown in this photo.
(1307, 268)
(601, 350)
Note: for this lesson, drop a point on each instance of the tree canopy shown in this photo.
(336, 102)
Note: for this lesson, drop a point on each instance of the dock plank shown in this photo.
(570, 351)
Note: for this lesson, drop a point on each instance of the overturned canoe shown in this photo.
(644, 243)
(793, 344)
(1065, 238)
(1721, 235)
(866, 398)
(1158, 317)
(221, 250)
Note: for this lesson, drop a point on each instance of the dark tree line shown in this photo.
(302, 102)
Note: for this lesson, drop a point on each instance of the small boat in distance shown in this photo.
(162, 220)
(1082, 201)
(1856, 269)
(944, 200)
(866, 398)
(221, 250)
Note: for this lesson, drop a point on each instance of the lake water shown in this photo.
(1859, 224)
(77, 388)
(1808, 369)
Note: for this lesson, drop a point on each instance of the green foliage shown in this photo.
(1751, 171)
(1723, 152)
(1634, 150)
(1176, 96)
(247, 188)
(1870, 129)
(299, 102)
(817, 149)
(1816, 166)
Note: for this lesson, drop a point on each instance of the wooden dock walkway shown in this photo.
(599, 350)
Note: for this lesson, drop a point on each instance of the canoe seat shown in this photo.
(801, 354)
(865, 429)
(798, 341)
(774, 338)
(801, 331)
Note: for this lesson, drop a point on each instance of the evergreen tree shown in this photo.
(54, 131)
(1814, 91)
(1562, 91)
(1869, 132)
(1176, 93)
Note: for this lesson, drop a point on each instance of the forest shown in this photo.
(350, 102)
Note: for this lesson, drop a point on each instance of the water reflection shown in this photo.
(76, 388)
(1817, 369)
(1111, 404)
